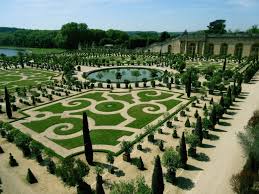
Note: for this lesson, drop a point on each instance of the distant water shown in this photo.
(10, 52)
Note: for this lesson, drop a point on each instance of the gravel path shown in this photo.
(227, 158)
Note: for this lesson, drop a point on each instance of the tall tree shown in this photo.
(164, 35)
(198, 129)
(224, 64)
(8, 104)
(217, 27)
(99, 185)
(183, 151)
(87, 140)
(157, 178)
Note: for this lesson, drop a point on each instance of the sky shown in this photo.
(129, 15)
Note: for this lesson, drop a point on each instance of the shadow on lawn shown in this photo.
(184, 183)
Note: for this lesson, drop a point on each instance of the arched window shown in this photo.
(238, 50)
(224, 49)
(191, 49)
(169, 48)
(254, 50)
(211, 49)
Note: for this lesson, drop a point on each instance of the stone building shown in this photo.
(239, 45)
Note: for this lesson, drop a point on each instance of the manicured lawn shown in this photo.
(42, 125)
(146, 96)
(97, 96)
(98, 137)
(37, 50)
(102, 120)
(127, 97)
(142, 118)
(59, 108)
(109, 106)
(23, 78)
(170, 103)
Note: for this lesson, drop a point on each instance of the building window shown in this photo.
(254, 50)
(224, 49)
(211, 49)
(239, 50)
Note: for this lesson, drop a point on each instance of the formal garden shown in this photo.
(117, 109)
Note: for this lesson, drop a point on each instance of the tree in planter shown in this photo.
(207, 124)
(127, 148)
(137, 185)
(8, 104)
(196, 114)
(161, 145)
(171, 160)
(205, 107)
(198, 129)
(211, 101)
(87, 140)
(183, 152)
(187, 123)
(140, 164)
(110, 159)
(30, 177)
(136, 74)
(153, 83)
(144, 82)
(99, 185)
(175, 134)
(193, 140)
(229, 95)
(157, 178)
(51, 166)
(12, 161)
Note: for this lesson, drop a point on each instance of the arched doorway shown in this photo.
(254, 50)
(169, 48)
(238, 50)
(223, 49)
(191, 49)
(211, 49)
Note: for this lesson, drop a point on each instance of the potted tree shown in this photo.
(127, 147)
(171, 160)
(193, 140)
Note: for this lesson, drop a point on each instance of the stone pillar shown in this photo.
(203, 49)
(185, 47)
(246, 50)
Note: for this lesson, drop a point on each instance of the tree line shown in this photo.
(73, 34)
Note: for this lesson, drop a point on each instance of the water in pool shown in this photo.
(125, 73)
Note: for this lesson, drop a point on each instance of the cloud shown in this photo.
(243, 3)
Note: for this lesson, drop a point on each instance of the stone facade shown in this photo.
(239, 45)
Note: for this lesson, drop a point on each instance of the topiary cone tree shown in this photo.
(87, 140)
(83, 188)
(99, 185)
(183, 151)
(30, 177)
(198, 129)
(8, 104)
(157, 178)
